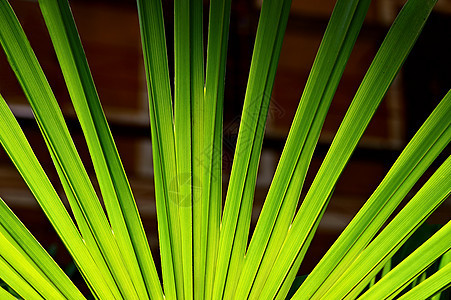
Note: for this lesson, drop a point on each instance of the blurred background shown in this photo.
(109, 31)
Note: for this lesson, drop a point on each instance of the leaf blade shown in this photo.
(373, 87)
(18, 149)
(163, 144)
(405, 272)
(421, 151)
(22, 240)
(278, 211)
(119, 200)
(238, 204)
(59, 142)
(372, 259)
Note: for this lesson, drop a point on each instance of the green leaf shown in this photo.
(163, 145)
(278, 211)
(382, 71)
(414, 265)
(5, 295)
(384, 245)
(25, 269)
(281, 293)
(14, 279)
(26, 248)
(183, 137)
(444, 260)
(296, 284)
(421, 151)
(437, 282)
(202, 257)
(188, 124)
(211, 156)
(63, 152)
(238, 205)
(16, 146)
(120, 204)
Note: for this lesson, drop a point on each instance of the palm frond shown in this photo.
(204, 250)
